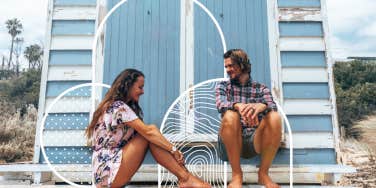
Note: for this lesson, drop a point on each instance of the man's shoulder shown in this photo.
(258, 84)
(224, 83)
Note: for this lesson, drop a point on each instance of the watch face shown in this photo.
(173, 149)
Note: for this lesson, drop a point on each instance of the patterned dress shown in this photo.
(110, 135)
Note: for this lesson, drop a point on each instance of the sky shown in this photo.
(352, 25)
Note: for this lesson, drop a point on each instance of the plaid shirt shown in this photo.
(231, 92)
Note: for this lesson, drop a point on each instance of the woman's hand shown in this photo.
(179, 157)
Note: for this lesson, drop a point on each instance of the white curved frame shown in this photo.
(44, 120)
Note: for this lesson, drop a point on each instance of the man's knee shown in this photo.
(274, 120)
(231, 119)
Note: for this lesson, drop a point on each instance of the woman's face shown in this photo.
(137, 89)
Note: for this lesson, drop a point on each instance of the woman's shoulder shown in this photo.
(116, 105)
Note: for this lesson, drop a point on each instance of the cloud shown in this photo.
(342, 48)
(32, 14)
(353, 27)
(345, 15)
(368, 31)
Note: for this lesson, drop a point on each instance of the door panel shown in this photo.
(145, 36)
(244, 25)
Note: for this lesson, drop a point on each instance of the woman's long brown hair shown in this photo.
(119, 91)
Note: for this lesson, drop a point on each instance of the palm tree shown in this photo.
(17, 51)
(14, 27)
(33, 54)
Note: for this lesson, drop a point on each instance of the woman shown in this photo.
(120, 138)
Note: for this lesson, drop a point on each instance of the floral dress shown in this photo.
(110, 136)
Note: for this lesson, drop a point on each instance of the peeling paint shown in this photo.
(299, 14)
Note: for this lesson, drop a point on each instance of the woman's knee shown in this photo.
(141, 142)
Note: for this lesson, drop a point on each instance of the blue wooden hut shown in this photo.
(176, 45)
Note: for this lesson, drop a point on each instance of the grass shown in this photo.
(17, 133)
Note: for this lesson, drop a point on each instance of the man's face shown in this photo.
(233, 70)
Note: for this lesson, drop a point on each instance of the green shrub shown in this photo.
(355, 85)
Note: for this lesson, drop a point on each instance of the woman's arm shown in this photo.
(151, 133)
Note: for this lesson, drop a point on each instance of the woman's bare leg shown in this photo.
(165, 159)
(133, 155)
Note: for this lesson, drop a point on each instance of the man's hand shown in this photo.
(250, 111)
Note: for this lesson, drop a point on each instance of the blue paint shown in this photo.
(244, 24)
(75, 2)
(310, 123)
(67, 155)
(70, 57)
(82, 155)
(300, 29)
(143, 35)
(306, 90)
(303, 59)
(73, 121)
(55, 88)
(73, 27)
(299, 3)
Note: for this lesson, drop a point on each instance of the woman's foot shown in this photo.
(193, 182)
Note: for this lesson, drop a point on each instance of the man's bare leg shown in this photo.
(230, 133)
(267, 141)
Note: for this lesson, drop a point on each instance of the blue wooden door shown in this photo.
(145, 35)
(245, 25)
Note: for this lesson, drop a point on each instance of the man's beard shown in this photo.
(236, 78)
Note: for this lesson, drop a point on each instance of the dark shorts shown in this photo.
(248, 149)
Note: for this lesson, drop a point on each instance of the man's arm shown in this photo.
(221, 99)
(267, 99)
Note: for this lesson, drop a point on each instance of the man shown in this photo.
(250, 123)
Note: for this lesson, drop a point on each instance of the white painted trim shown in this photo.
(152, 168)
(64, 138)
(330, 63)
(102, 11)
(301, 14)
(275, 55)
(300, 140)
(182, 61)
(275, 59)
(310, 140)
(187, 51)
(74, 13)
(186, 44)
(185, 137)
(70, 72)
(69, 104)
(302, 44)
(146, 173)
(43, 83)
(307, 107)
(305, 75)
(72, 42)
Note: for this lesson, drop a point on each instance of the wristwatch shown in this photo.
(173, 149)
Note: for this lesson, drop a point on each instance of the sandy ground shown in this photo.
(362, 155)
